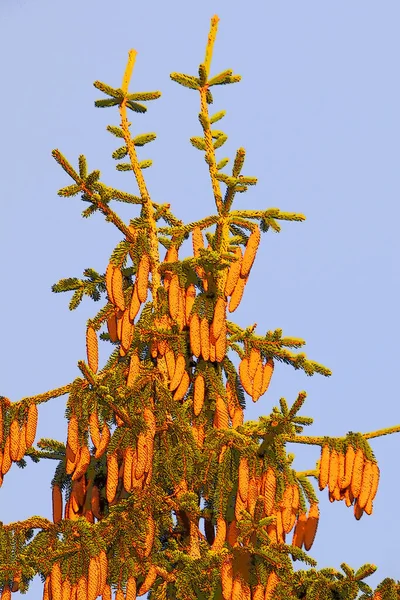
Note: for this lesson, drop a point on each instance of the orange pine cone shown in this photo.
(173, 296)
(237, 294)
(198, 434)
(257, 592)
(220, 345)
(46, 590)
(104, 441)
(221, 416)
(170, 360)
(81, 592)
(133, 368)
(287, 502)
(205, 338)
(348, 467)
(142, 277)
(268, 369)
(366, 484)
(231, 400)
(243, 478)
(141, 455)
(31, 425)
(107, 594)
(135, 304)
(108, 278)
(298, 535)
(130, 589)
(197, 240)
(333, 470)
(149, 540)
(148, 581)
(93, 579)
(112, 477)
(220, 535)
(72, 437)
(22, 443)
(358, 468)
(83, 463)
(233, 273)
(189, 301)
(219, 317)
(180, 366)
(324, 464)
(341, 471)
(6, 464)
(117, 289)
(103, 570)
(112, 328)
(92, 349)
(238, 417)
(272, 582)
(55, 582)
(181, 318)
(358, 511)
(128, 459)
(257, 383)
(252, 495)
(237, 590)
(239, 507)
(227, 578)
(244, 376)
(194, 332)
(254, 361)
(250, 252)
(198, 394)
(14, 439)
(270, 491)
(311, 526)
(182, 387)
(94, 429)
(57, 503)
(66, 589)
(375, 482)
(127, 330)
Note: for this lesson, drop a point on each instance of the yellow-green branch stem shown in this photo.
(317, 441)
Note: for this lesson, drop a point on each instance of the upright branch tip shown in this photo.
(129, 69)
(210, 42)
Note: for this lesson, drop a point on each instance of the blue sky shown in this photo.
(316, 110)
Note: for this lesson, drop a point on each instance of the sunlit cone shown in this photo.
(94, 428)
(55, 582)
(272, 582)
(366, 484)
(341, 468)
(72, 437)
(220, 535)
(189, 301)
(296, 498)
(173, 296)
(92, 349)
(104, 441)
(117, 289)
(369, 507)
(46, 590)
(112, 328)
(287, 502)
(66, 589)
(103, 569)
(374, 484)
(348, 497)
(257, 592)
(232, 534)
(128, 459)
(198, 434)
(232, 403)
(268, 369)
(133, 368)
(81, 593)
(270, 491)
(254, 361)
(324, 463)
(252, 495)
(93, 579)
(130, 589)
(198, 394)
(83, 463)
(22, 442)
(31, 425)
(194, 331)
(220, 345)
(244, 375)
(237, 591)
(119, 316)
(238, 417)
(348, 466)
(135, 304)
(358, 511)
(170, 361)
(356, 478)
(112, 477)
(107, 594)
(180, 365)
(6, 464)
(333, 469)
(298, 535)
(226, 578)
(14, 439)
(205, 338)
(181, 318)
(109, 275)
(221, 419)
(257, 383)
(250, 252)
(311, 526)
(237, 294)
(142, 277)
(239, 507)
(126, 331)
(219, 317)
(212, 351)
(243, 478)
(148, 581)
(182, 387)
(57, 503)
(233, 273)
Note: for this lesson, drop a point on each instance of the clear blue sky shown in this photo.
(318, 113)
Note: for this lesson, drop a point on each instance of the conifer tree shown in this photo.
(162, 487)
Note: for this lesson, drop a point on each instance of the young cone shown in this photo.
(31, 425)
(250, 252)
